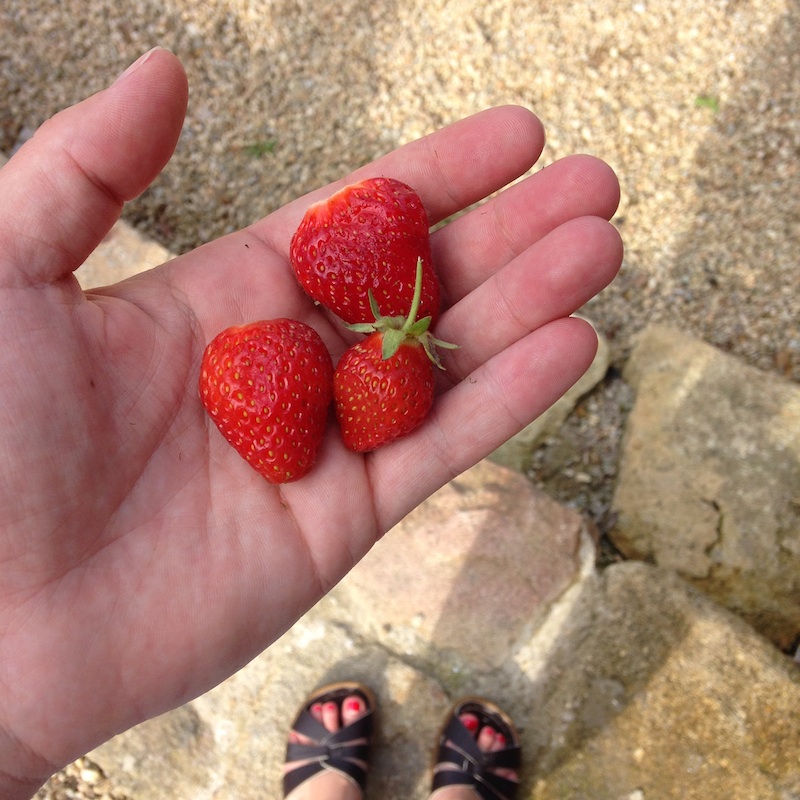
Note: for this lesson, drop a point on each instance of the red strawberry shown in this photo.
(267, 386)
(383, 385)
(368, 235)
(379, 400)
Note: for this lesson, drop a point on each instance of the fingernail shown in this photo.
(136, 64)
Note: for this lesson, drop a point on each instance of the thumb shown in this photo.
(62, 192)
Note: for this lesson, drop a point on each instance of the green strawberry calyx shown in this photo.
(397, 330)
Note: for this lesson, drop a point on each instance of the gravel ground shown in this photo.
(695, 104)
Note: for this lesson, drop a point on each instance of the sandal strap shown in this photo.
(473, 766)
(309, 726)
(509, 757)
(293, 779)
(322, 752)
(338, 751)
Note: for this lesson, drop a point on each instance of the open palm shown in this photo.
(143, 561)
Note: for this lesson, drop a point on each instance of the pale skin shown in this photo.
(141, 560)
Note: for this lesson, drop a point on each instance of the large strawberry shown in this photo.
(367, 236)
(383, 385)
(268, 386)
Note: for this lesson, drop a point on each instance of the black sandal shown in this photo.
(459, 760)
(341, 751)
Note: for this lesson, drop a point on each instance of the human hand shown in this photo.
(143, 561)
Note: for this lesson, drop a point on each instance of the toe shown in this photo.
(492, 741)
(353, 708)
(470, 722)
(499, 742)
(330, 716)
(486, 738)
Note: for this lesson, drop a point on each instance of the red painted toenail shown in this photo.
(471, 724)
(354, 705)
(316, 708)
(500, 739)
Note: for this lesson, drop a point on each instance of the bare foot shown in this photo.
(329, 784)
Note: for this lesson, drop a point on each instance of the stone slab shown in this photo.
(469, 573)
(657, 693)
(709, 483)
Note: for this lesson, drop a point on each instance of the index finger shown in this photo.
(450, 169)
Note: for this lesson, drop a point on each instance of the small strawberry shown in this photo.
(367, 236)
(267, 386)
(379, 400)
(383, 385)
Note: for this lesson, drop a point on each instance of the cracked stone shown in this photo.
(710, 464)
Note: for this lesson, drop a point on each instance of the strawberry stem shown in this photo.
(396, 330)
(412, 314)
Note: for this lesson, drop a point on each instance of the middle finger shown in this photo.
(473, 247)
(552, 279)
